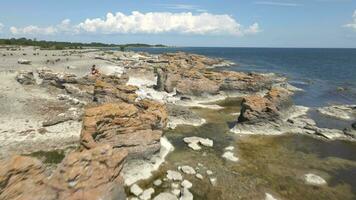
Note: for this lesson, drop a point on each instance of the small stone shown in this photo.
(200, 165)
(175, 185)
(157, 182)
(230, 156)
(146, 195)
(188, 169)
(209, 172)
(187, 195)
(229, 148)
(206, 142)
(186, 184)
(165, 196)
(213, 181)
(194, 146)
(176, 192)
(269, 197)
(313, 179)
(136, 190)
(174, 175)
(199, 176)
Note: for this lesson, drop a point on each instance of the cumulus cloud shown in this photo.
(352, 25)
(165, 22)
(64, 26)
(1, 26)
(148, 23)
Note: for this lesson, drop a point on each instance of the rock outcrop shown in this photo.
(257, 108)
(87, 175)
(189, 74)
(134, 127)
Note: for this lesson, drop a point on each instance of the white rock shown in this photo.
(194, 146)
(213, 181)
(175, 185)
(193, 142)
(313, 179)
(230, 156)
(199, 176)
(176, 192)
(136, 190)
(206, 142)
(186, 195)
(165, 196)
(209, 172)
(186, 184)
(269, 197)
(174, 175)
(157, 182)
(146, 195)
(229, 148)
(188, 169)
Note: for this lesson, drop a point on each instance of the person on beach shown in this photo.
(94, 71)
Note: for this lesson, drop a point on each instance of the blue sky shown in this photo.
(255, 23)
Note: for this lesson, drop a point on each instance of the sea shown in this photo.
(327, 76)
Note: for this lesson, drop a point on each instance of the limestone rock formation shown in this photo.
(135, 127)
(87, 175)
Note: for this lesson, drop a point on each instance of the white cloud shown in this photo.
(147, 23)
(352, 25)
(274, 3)
(164, 22)
(1, 26)
(63, 27)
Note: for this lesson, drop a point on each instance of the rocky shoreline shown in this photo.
(116, 121)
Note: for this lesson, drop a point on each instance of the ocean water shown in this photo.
(327, 76)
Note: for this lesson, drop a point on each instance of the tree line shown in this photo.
(55, 45)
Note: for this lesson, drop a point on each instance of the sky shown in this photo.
(223, 23)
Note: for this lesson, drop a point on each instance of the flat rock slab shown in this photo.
(312, 179)
(195, 142)
(174, 175)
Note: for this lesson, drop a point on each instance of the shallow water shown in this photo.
(273, 164)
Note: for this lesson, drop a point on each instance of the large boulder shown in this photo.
(91, 174)
(23, 177)
(56, 79)
(26, 78)
(88, 175)
(270, 107)
(134, 127)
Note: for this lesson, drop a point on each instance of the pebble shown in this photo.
(229, 148)
(186, 184)
(313, 179)
(136, 190)
(174, 175)
(188, 169)
(175, 185)
(187, 195)
(213, 181)
(269, 197)
(146, 195)
(176, 192)
(199, 176)
(157, 182)
(209, 172)
(230, 156)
